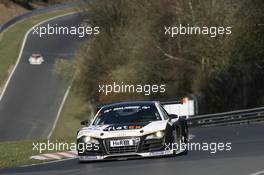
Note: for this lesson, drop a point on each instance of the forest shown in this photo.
(223, 73)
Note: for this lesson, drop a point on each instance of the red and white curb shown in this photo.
(56, 156)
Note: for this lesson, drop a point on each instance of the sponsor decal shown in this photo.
(122, 127)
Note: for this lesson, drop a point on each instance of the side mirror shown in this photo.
(173, 116)
(85, 122)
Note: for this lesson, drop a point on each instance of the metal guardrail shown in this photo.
(36, 12)
(228, 118)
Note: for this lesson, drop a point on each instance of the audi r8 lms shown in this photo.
(132, 130)
(36, 59)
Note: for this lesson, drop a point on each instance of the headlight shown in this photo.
(156, 135)
(88, 139)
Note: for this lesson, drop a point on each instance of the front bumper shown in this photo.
(143, 148)
(126, 156)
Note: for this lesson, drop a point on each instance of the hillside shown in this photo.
(224, 71)
(9, 10)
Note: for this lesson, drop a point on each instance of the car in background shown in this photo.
(131, 130)
(36, 59)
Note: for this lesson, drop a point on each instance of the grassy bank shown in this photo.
(18, 153)
(73, 112)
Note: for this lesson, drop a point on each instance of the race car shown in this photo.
(36, 59)
(132, 130)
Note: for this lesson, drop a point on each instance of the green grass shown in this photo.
(12, 38)
(18, 153)
(74, 111)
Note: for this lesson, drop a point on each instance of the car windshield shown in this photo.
(127, 114)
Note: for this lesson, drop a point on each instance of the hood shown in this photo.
(122, 130)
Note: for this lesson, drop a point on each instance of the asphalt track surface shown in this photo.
(33, 96)
(245, 158)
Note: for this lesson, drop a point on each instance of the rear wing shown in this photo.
(184, 107)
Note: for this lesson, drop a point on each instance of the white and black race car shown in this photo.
(35, 59)
(132, 130)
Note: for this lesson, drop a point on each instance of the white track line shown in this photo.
(59, 111)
